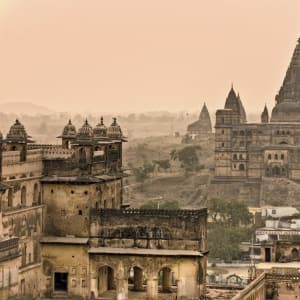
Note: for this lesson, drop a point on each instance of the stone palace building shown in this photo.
(64, 231)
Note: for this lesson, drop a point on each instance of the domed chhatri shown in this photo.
(114, 130)
(17, 133)
(86, 131)
(69, 131)
(100, 130)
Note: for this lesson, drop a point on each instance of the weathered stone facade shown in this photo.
(65, 232)
(245, 153)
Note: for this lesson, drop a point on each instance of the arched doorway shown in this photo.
(106, 279)
(295, 254)
(136, 279)
(36, 194)
(166, 280)
(10, 197)
(23, 196)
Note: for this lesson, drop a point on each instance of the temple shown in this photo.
(251, 157)
(200, 129)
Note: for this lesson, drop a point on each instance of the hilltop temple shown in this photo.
(252, 159)
(65, 232)
(200, 129)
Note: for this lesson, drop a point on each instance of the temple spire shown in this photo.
(290, 89)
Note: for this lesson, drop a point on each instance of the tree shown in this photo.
(162, 164)
(224, 241)
(143, 172)
(188, 157)
(229, 211)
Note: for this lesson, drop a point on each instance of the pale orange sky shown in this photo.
(141, 55)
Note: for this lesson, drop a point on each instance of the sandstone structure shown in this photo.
(200, 129)
(64, 231)
(246, 153)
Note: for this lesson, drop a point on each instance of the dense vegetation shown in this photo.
(230, 225)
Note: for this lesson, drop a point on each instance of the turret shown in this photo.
(17, 139)
(68, 135)
(265, 115)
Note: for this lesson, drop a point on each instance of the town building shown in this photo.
(256, 161)
(65, 231)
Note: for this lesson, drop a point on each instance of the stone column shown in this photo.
(138, 279)
(152, 289)
(166, 280)
(94, 288)
(122, 288)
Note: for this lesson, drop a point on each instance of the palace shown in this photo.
(65, 231)
(250, 157)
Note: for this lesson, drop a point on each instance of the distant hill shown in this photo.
(24, 108)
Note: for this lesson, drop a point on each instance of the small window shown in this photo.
(273, 211)
(269, 156)
(73, 283)
(86, 192)
(223, 131)
(241, 156)
(242, 132)
(282, 156)
(242, 143)
(72, 192)
(83, 284)
(80, 212)
(62, 212)
(223, 144)
(234, 156)
(276, 156)
(52, 191)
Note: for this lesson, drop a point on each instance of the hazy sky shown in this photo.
(141, 55)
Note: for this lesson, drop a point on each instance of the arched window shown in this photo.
(282, 156)
(82, 155)
(269, 156)
(234, 156)
(10, 197)
(241, 167)
(23, 196)
(276, 156)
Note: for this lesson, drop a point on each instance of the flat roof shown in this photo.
(64, 240)
(143, 252)
(79, 179)
(270, 265)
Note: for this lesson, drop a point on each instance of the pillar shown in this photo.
(122, 288)
(166, 280)
(94, 288)
(152, 289)
(138, 279)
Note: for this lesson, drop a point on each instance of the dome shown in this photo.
(69, 131)
(100, 130)
(114, 130)
(86, 131)
(17, 133)
(287, 111)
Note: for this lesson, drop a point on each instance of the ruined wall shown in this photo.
(161, 229)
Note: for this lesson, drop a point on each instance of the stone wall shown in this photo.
(163, 229)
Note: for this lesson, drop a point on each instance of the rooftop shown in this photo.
(143, 252)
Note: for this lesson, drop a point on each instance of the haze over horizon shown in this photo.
(135, 56)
